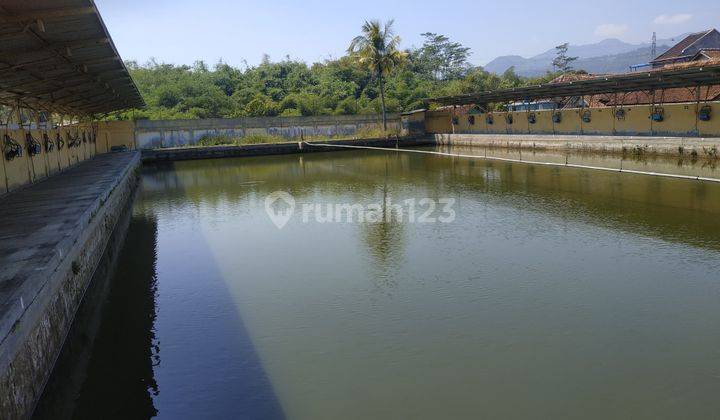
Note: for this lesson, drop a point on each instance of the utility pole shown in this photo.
(653, 50)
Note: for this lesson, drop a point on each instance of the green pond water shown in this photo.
(554, 293)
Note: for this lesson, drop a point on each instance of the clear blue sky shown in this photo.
(182, 31)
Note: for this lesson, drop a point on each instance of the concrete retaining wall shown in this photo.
(671, 146)
(44, 303)
(193, 153)
(178, 133)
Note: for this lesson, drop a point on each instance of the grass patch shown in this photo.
(221, 140)
(262, 139)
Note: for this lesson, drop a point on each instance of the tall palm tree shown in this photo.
(377, 49)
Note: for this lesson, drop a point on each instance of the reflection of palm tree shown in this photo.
(385, 239)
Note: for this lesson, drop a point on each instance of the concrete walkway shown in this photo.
(40, 224)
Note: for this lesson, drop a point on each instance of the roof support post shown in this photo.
(614, 114)
(652, 111)
(697, 110)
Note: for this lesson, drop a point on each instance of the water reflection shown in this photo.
(106, 370)
(385, 242)
(557, 292)
(670, 208)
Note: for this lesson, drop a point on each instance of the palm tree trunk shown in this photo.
(382, 101)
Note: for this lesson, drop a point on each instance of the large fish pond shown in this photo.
(529, 291)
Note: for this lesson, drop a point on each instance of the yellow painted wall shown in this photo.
(89, 147)
(711, 128)
(52, 159)
(103, 141)
(680, 120)
(601, 122)
(72, 152)
(464, 125)
(520, 123)
(64, 153)
(118, 133)
(38, 162)
(26, 169)
(499, 126)
(84, 146)
(438, 122)
(17, 171)
(543, 123)
(569, 122)
(481, 123)
(636, 121)
(3, 180)
(411, 123)
(464, 122)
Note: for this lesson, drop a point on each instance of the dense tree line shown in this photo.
(292, 88)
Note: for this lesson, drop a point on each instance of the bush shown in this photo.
(262, 139)
(219, 140)
(347, 106)
(291, 112)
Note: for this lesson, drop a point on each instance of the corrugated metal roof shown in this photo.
(676, 95)
(57, 55)
(690, 75)
(678, 50)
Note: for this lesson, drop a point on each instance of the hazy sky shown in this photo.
(182, 31)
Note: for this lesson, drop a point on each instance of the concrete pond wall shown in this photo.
(45, 270)
(699, 147)
(151, 134)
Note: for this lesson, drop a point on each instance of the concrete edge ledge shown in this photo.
(32, 337)
(668, 146)
(32, 287)
(214, 152)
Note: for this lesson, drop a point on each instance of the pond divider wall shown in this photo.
(41, 299)
(638, 145)
(213, 152)
(153, 134)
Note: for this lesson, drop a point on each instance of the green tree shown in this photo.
(562, 62)
(261, 106)
(377, 50)
(441, 59)
(291, 88)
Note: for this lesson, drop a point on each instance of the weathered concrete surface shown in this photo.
(192, 153)
(152, 134)
(69, 374)
(671, 146)
(52, 237)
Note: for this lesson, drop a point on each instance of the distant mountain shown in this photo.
(607, 56)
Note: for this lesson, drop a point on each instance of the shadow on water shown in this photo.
(106, 366)
(112, 366)
(166, 337)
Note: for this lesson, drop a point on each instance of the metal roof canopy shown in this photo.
(57, 55)
(688, 77)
